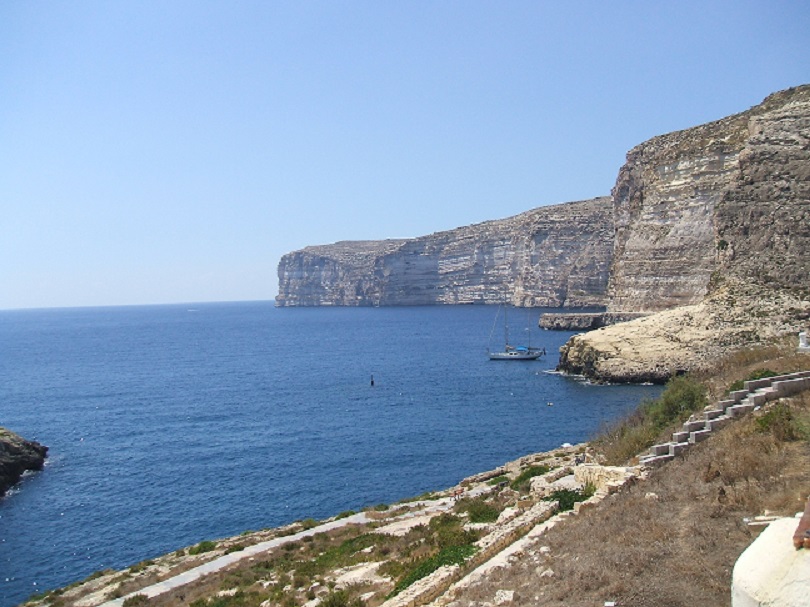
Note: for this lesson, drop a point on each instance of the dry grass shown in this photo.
(780, 357)
(671, 539)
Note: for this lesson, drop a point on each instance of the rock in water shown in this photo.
(18, 455)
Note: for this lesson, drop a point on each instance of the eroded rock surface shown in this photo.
(687, 338)
(731, 196)
(551, 256)
(18, 455)
(712, 232)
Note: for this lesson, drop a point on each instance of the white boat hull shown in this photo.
(515, 355)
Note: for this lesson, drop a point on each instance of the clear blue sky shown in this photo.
(172, 151)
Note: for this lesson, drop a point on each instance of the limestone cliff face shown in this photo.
(551, 256)
(17, 455)
(713, 229)
(728, 196)
(735, 315)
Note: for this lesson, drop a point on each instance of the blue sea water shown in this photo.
(168, 425)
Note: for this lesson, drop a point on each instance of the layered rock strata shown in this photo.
(713, 229)
(551, 256)
(17, 456)
(730, 196)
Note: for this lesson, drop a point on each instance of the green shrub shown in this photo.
(138, 600)
(138, 567)
(452, 555)
(681, 397)
(785, 425)
(568, 497)
(339, 598)
(449, 531)
(498, 480)
(758, 374)
(630, 436)
(478, 510)
(204, 546)
(521, 483)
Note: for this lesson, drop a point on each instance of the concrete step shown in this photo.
(677, 448)
(739, 410)
(655, 460)
(680, 437)
(692, 426)
(718, 422)
(698, 436)
(738, 395)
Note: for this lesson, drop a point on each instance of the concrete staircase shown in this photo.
(699, 426)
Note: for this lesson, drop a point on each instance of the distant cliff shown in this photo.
(17, 455)
(551, 256)
(713, 227)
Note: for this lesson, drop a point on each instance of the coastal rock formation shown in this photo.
(713, 229)
(731, 196)
(687, 338)
(18, 455)
(551, 256)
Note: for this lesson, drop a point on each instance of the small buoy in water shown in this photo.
(550, 404)
(372, 381)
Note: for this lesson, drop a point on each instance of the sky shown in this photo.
(160, 152)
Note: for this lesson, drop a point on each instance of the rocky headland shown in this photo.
(704, 244)
(712, 241)
(17, 456)
(551, 256)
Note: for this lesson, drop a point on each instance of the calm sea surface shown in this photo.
(168, 425)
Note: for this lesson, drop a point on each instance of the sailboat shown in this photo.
(512, 352)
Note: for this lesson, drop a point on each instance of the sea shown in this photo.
(169, 425)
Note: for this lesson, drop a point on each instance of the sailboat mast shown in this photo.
(505, 325)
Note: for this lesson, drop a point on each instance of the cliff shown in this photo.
(551, 256)
(728, 196)
(713, 227)
(18, 455)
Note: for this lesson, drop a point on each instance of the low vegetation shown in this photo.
(204, 546)
(566, 498)
(674, 538)
(479, 510)
(628, 437)
(523, 481)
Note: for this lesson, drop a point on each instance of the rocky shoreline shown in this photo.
(687, 339)
(18, 456)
